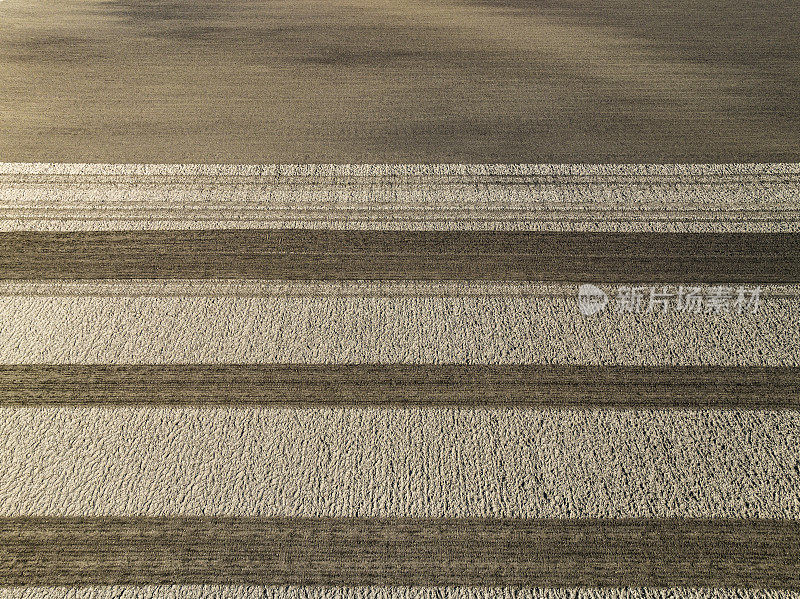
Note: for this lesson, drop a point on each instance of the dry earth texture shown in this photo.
(298, 81)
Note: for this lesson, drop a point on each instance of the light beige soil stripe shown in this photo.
(363, 289)
(399, 462)
(71, 197)
(384, 330)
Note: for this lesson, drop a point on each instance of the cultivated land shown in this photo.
(411, 81)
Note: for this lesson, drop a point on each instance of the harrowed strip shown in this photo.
(377, 592)
(299, 254)
(653, 553)
(566, 386)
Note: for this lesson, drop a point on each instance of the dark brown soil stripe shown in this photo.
(551, 553)
(422, 255)
(456, 385)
